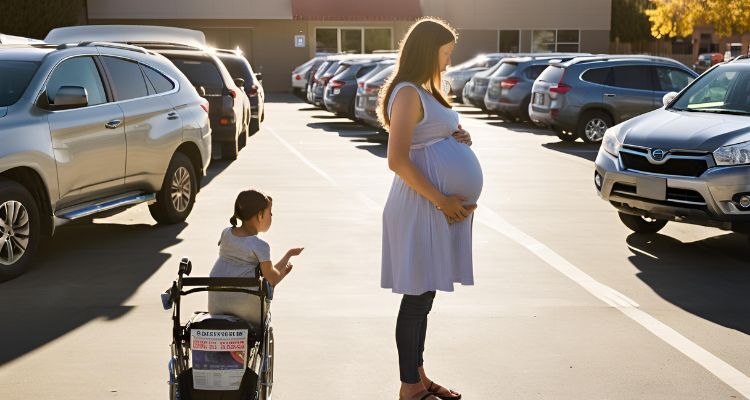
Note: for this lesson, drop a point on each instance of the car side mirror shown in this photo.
(668, 98)
(201, 91)
(239, 82)
(259, 76)
(68, 97)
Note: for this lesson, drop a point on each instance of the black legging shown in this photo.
(411, 330)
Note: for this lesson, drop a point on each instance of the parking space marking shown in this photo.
(300, 156)
(718, 367)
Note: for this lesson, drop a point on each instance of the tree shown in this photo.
(678, 17)
(629, 23)
(36, 18)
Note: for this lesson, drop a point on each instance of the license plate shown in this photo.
(651, 187)
(336, 91)
(360, 102)
(372, 98)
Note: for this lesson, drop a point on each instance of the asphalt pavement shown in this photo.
(568, 304)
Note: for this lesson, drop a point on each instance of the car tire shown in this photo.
(639, 224)
(564, 135)
(592, 124)
(254, 126)
(19, 229)
(230, 150)
(524, 115)
(171, 205)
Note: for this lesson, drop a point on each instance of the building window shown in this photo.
(548, 41)
(353, 39)
(508, 41)
(326, 40)
(542, 41)
(568, 41)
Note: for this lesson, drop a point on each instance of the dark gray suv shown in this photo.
(585, 96)
(686, 162)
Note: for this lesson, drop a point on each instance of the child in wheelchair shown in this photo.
(243, 254)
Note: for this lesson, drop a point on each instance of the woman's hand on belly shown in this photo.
(462, 136)
(469, 208)
(453, 208)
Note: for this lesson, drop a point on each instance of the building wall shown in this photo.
(398, 30)
(472, 42)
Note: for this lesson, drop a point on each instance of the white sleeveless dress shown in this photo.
(421, 251)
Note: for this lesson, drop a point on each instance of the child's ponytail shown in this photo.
(249, 203)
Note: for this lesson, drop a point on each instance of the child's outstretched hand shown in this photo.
(294, 251)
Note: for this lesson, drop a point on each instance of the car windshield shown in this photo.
(505, 69)
(724, 90)
(14, 77)
(237, 68)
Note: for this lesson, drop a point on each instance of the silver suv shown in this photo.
(584, 96)
(688, 161)
(88, 128)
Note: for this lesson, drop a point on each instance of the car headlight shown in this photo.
(733, 154)
(610, 143)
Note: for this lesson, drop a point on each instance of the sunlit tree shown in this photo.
(670, 18)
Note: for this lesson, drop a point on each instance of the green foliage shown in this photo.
(629, 22)
(672, 18)
(35, 18)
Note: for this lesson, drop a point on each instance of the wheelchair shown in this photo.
(219, 356)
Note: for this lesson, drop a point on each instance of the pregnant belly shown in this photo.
(453, 168)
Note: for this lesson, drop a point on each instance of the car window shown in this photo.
(633, 77)
(714, 91)
(332, 68)
(534, 71)
(159, 82)
(364, 71)
(201, 73)
(552, 74)
(126, 78)
(322, 69)
(505, 69)
(672, 79)
(14, 78)
(78, 71)
(341, 68)
(237, 69)
(597, 75)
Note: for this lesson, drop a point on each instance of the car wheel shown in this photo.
(524, 115)
(229, 150)
(19, 229)
(564, 135)
(640, 224)
(592, 125)
(176, 198)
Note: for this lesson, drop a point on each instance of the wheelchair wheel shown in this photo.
(266, 369)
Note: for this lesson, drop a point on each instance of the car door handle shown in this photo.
(172, 115)
(609, 95)
(114, 124)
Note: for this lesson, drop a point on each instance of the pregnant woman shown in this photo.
(427, 219)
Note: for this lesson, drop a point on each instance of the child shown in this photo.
(241, 253)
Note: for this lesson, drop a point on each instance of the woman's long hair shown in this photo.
(418, 61)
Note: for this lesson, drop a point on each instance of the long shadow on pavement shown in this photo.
(87, 272)
(578, 149)
(709, 278)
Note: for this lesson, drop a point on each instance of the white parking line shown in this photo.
(486, 216)
(722, 370)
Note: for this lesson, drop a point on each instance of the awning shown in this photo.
(348, 10)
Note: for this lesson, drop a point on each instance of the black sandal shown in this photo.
(434, 392)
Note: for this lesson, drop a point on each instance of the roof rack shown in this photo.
(615, 57)
(111, 45)
(740, 57)
(127, 34)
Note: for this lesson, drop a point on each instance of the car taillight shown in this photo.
(233, 93)
(253, 90)
(225, 121)
(204, 105)
(361, 85)
(508, 83)
(337, 84)
(372, 89)
(561, 88)
(297, 77)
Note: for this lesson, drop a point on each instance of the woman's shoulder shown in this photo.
(257, 242)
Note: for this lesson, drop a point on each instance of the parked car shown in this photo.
(249, 81)
(706, 61)
(456, 77)
(341, 90)
(686, 162)
(91, 128)
(331, 67)
(509, 89)
(301, 74)
(585, 96)
(229, 111)
(474, 90)
(366, 103)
